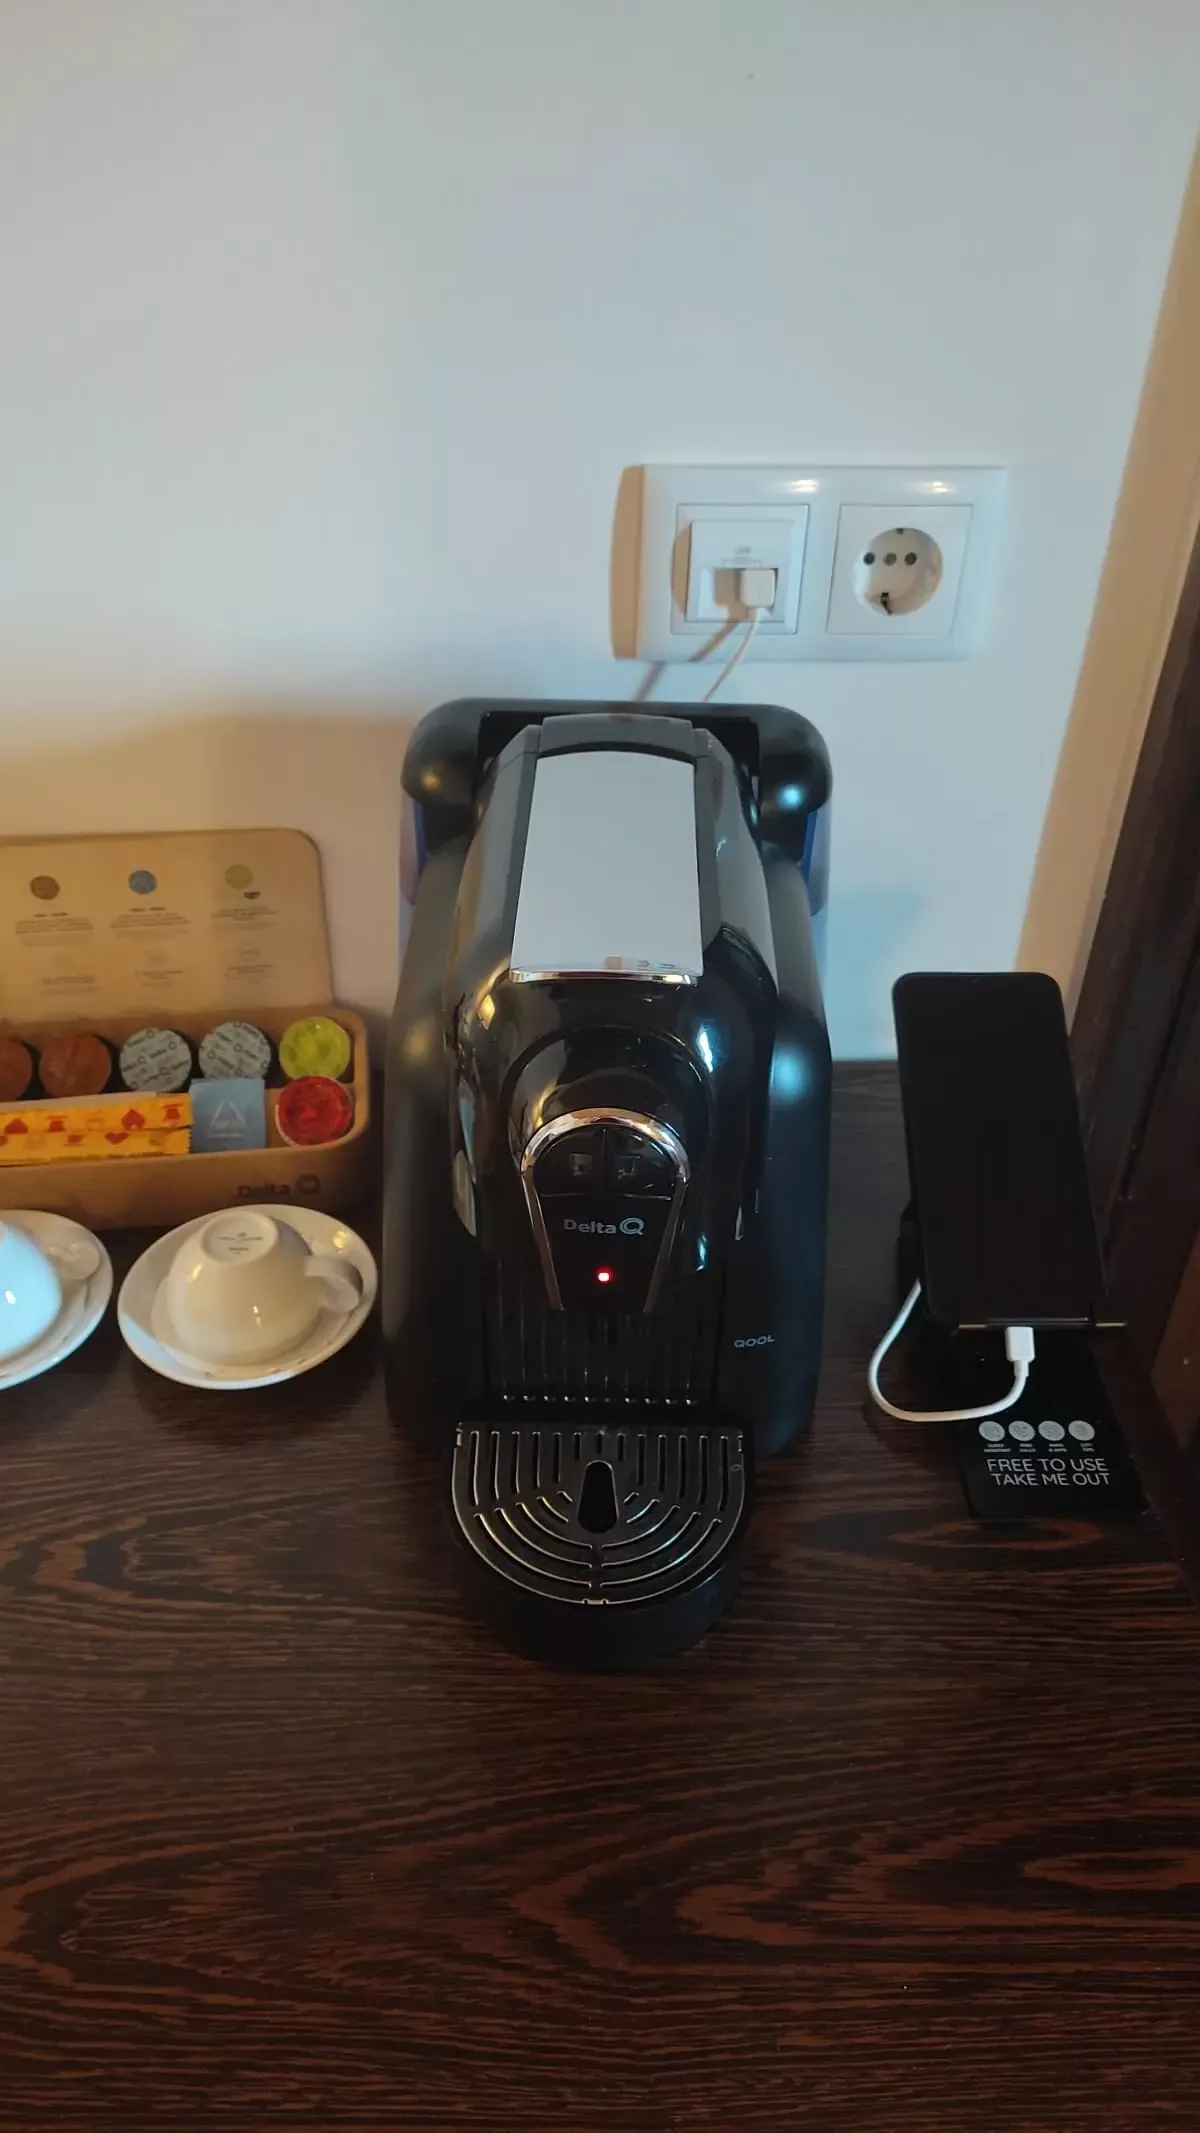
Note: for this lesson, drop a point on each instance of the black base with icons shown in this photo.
(1058, 1452)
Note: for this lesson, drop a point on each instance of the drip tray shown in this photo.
(604, 1543)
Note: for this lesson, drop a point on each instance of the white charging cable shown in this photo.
(1019, 1347)
(649, 681)
(739, 655)
(756, 590)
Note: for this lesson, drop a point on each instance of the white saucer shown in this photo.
(84, 1302)
(142, 1318)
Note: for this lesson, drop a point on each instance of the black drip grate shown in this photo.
(603, 1514)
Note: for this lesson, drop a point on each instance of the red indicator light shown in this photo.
(604, 1275)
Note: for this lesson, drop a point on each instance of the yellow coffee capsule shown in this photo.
(315, 1045)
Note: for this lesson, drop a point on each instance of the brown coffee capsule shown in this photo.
(76, 1063)
(18, 1063)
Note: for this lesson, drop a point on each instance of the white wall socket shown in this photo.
(840, 539)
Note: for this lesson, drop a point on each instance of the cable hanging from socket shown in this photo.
(756, 590)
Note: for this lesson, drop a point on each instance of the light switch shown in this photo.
(721, 545)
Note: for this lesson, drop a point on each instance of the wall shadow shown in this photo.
(864, 952)
(269, 763)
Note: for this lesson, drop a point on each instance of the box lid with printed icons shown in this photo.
(196, 919)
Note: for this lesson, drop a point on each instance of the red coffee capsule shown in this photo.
(314, 1110)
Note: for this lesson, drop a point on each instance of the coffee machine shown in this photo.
(606, 1150)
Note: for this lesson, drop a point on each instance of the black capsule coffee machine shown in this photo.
(606, 1150)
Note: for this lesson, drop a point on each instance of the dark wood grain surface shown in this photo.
(287, 1841)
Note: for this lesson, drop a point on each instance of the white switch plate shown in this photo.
(697, 510)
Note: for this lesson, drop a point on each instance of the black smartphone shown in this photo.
(995, 1152)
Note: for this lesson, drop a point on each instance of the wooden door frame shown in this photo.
(1136, 1032)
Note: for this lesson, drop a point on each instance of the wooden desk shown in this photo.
(287, 1841)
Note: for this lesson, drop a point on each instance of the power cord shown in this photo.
(756, 589)
(1019, 1347)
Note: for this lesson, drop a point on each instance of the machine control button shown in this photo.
(574, 1163)
(637, 1165)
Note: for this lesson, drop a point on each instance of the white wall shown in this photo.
(327, 327)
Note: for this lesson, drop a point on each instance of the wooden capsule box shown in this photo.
(182, 930)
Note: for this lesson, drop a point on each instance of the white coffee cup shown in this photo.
(244, 1287)
(30, 1291)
